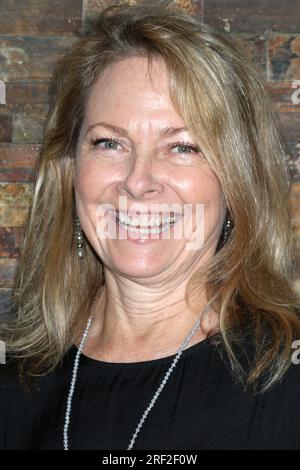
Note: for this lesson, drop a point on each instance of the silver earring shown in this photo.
(79, 238)
(227, 228)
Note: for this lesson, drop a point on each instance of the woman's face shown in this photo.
(148, 168)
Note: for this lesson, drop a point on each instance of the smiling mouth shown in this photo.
(146, 230)
(147, 223)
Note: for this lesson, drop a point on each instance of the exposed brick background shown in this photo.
(34, 34)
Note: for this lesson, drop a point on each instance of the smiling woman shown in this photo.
(154, 306)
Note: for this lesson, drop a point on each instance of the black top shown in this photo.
(200, 407)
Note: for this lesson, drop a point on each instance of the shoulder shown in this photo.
(25, 413)
(287, 387)
(10, 377)
(280, 405)
(244, 349)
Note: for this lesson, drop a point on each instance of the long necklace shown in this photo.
(155, 396)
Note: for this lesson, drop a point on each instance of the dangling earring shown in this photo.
(227, 228)
(79, 238)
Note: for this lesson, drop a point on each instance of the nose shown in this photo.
(141, 180)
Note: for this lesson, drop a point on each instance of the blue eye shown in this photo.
(107, 140)
(188, 147)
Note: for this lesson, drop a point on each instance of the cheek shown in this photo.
(81, 186)
(207, 192)
(203, 187)
(212, 197)
(89, 182)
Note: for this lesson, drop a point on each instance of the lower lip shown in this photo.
(142, 238)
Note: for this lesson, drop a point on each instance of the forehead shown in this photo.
(131, 88)
(133, 74)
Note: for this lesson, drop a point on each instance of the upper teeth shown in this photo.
(145, 220)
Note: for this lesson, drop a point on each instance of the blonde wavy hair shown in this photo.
(223, 100)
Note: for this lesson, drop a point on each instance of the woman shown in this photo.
(154, 306)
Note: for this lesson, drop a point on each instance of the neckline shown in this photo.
(152, 362)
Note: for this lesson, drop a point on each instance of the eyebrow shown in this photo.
(167, 131)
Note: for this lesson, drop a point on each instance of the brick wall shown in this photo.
(35, 33)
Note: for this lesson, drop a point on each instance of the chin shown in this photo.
(141, 271)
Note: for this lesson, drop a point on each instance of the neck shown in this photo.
(129, 331)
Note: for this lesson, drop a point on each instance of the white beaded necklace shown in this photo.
(155, 396)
